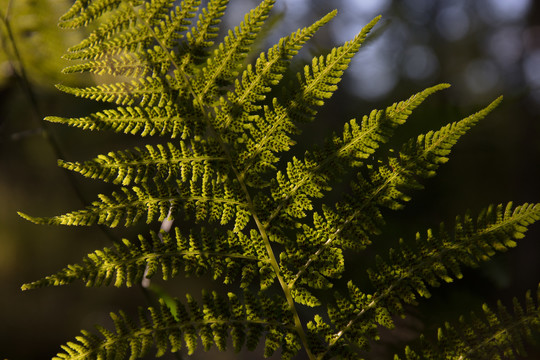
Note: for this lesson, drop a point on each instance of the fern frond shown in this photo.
(435, 258)
(150, 91)
(207, 199)
(143, 121)
(116, 22)
(419, 158)
(496, 229)
(431, 150)
(133, 28)
(349, 334)
(269, 134)
(116, 64)
(269, 68)
(186, 161)
(495, 335)
(230, 257)
(225, 63)
(213, 322)
(178, 22)
(309, 178)
(320, 80)
(253, 216)
(130, 41)
(320, 247)
(84, 12)
(360, 216)
(200, 38)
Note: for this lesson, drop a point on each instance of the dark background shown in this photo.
(484, 48)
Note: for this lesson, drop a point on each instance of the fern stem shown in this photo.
(272, 258)
(284, 286)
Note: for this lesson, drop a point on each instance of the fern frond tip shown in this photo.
(25, 287)
(35, 220)
(497, 101)
(373, 22)
(53, 119)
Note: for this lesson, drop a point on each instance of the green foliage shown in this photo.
(234, 204)
(168, 329)
(497, 335)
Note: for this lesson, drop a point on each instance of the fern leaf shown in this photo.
(309, 178)
(206, 199)
(178, 22)
(133, 28)
(227, 59)
(149, 91)
(116, 64)
(252, 214)
(118, 21)
(432, 149)
(268, 134)
(209, 322)
(200, 37)
(136, 166)
(355, 220)
(496, 229)
(411, 272)
(135, 121)
(269, 68)
(85, 11)
(495, 335)
(230, 257)
(321, 78)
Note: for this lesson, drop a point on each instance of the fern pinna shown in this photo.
(255, 213)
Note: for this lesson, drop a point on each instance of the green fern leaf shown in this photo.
(150, 91)
(321, 78)
(309, 178)
(227, 59)
(166, 162)
(116, 64)
(135, 121)
(497, 335)
(205, 199)
(229, 257)
(200, 37)
(410, 272)
(85, 11)
(270, 67)
(209, 323)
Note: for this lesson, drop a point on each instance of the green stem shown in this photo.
(271, 256)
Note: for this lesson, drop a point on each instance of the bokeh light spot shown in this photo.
(505, 10)
(420, 62)
(531, 69)
(481, 75)
(453, 23)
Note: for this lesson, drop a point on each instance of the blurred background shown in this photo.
(484, 48)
